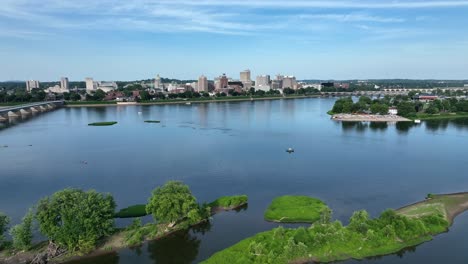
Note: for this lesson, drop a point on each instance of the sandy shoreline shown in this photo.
(369, 118)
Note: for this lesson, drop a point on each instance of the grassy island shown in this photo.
(295, 209)
(327, 241)
(111, 123)
(228, 202)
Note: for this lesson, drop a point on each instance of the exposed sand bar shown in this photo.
(369, 118)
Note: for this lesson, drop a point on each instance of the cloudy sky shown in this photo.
(136, 39)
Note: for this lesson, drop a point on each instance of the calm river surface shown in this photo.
(237, 148)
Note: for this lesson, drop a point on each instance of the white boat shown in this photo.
(189, 103)
(417, 121)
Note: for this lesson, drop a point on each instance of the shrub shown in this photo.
(22, 233)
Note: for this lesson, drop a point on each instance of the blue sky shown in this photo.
(136, 39)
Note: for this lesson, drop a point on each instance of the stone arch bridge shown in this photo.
(21, 111)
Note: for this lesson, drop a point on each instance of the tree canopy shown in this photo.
(76, 219)
(4, 221)
(173, 202)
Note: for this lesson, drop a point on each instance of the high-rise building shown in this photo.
(223, 81)
(157, 82)
(202, 84)
(245, 76)
(32, 84)
(64, 83)
(262, 80)
(289, 82)
(90, 85)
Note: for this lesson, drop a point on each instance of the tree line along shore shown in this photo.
(78, 223)
(405, 107)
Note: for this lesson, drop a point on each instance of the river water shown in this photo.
(237, 148)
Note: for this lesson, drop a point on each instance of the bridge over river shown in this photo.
(20, 111)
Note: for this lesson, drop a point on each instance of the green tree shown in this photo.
(99, 95)
(325, 216)
(4, 222)
(145, 96)
(406, 109)
(359, 221)
(22, 234)
(76, 219)
(75, 96)
(171, 203)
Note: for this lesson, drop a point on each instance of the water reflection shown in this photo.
(111, 258)
(178, 248)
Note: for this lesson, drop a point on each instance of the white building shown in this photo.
(317, 86)
(202, 84)
(32, 84)
(64, 84)
(393, 111)
(262, 80)
(90, 85)
(56, 89)
(157, 82)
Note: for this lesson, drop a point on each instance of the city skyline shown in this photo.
(131, 40)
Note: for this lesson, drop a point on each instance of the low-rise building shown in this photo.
(392, 111)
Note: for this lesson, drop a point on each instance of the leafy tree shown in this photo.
(171, 203)
(75, 96)
(99, 95)
(378, 108)
(22, 234)
(432, 109)
(145, 96)
(406, 109)
(359, 221)
(325, 216)
(76, 219)
(288, 91)
(4, 221)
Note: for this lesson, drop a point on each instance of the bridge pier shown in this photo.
(33, 110)
(3, 118)
(24, 112)
(12, 114)
(42, 108)
(49, 106)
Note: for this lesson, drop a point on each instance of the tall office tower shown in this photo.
(245, 76)
(263, 80)
(90, 86)
(289, 82)
(223, 81)
(64, 83)
(32, 84)
(202, 84)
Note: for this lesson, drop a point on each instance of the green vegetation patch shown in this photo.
(152, 121)
(294, 209)
(138, 210)
(229, 201)
(331, 241)
(103, 123)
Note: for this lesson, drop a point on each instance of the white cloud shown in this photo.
(353, 18)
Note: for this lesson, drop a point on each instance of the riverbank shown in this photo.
(369, 118)
(426, 117)
(191, 101)
(362, 238)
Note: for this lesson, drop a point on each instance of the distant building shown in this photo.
(466, 85)
(317, 86)
(262, 80)
(328, 85)
(289, 82)
(56, 89)
(157, 82)
(341, 85)
(202, 84)
(64, 83)
(32, 84)
(90, 85)
(245, 76)
(426, 97)
(392, 111)
(223, 81)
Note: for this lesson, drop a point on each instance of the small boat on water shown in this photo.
(290, 150)
(188, 103)
(417, 121)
